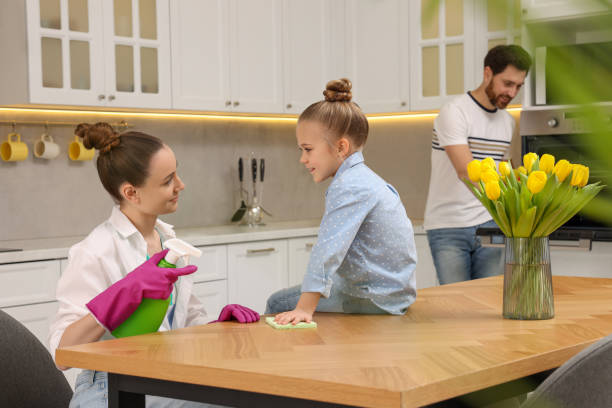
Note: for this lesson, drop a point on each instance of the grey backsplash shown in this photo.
(59, 198)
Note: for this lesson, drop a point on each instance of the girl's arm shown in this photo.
(84, 330)
(303, 311)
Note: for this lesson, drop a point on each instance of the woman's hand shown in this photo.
(293, 316)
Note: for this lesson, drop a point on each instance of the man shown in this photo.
(471, 126)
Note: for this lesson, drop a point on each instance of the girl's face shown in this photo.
(321, 158)
(160, 192)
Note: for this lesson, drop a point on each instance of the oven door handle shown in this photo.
(582, 244)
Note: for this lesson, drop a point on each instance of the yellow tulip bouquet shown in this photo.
(532, 200)
(528, 204)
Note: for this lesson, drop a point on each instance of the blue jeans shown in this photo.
(458, 254)
(91, 391)
(337, 302)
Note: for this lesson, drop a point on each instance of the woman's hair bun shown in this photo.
(338, 90)
(100, 136)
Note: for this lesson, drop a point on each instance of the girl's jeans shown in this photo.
(338, 302)
(458, 254)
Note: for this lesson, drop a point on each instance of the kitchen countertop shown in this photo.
(57, 248)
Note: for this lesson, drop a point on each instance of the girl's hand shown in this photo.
(293, 316)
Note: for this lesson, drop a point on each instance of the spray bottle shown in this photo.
(149, 316)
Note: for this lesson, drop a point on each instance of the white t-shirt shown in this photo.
(463, 121)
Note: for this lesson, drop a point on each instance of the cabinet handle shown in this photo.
(259, 251)
(236, 103)
(111, 97)
(228, 103)
(101, 97)
(289, 106)
(403, 103)
(309, 245)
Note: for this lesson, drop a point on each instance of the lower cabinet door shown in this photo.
(36, 318)
(299, 255)
(255, 271)
(213, 296)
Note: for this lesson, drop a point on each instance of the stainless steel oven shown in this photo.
(564, 134)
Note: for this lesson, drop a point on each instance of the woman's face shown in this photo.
(321, 159)
(160, 192)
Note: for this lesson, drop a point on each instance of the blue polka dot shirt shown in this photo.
(366, 241)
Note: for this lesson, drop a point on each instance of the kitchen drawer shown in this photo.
(212, 265)
(213, 296)
(28, 282)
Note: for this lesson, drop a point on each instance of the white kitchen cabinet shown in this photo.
(213, 296)
(256, 55)
(543, 10)
(212, 265)
(425, 269)
(255, 270)
(442, 51)
(111, 53)
(199, 31)
(36, 318)
(311, 54)
(377, 54)
(28, 282)
(299, 255)
(497, 22)
(227, 55)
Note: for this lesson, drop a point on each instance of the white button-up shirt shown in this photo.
(111, 251)
(366, 241)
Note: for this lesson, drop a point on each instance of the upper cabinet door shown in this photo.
(200, 54)
(308, 51)
(498, 22)
(442, 42)
(137, 53)
(256, 60)
(377, 50)
(65, 52)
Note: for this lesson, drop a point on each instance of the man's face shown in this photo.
(504, 86)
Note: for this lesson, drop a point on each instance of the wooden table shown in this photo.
(453, 341)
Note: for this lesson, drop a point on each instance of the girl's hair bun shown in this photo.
(338, 90)
(100, 136)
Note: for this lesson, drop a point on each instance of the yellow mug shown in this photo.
(14, 149)
(78, 152)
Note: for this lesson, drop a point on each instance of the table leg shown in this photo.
(118, 398)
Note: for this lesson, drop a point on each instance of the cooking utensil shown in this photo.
(262, 169)
(240, 211)
(254, 170)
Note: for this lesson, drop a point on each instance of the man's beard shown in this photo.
(499, 101)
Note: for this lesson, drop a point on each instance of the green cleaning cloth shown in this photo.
(300, 325)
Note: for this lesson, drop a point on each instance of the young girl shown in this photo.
(364, 258)
(111, 270)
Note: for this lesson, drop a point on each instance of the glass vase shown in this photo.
(528, 292)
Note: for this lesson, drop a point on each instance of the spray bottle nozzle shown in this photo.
(179, 249)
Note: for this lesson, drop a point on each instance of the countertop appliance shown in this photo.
(566, 134)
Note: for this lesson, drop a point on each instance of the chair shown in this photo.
(584, 380)
(28, 376)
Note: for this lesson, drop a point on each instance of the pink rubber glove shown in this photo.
(236, 312)
(121, 299)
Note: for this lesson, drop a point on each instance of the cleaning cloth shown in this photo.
(300, 325)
